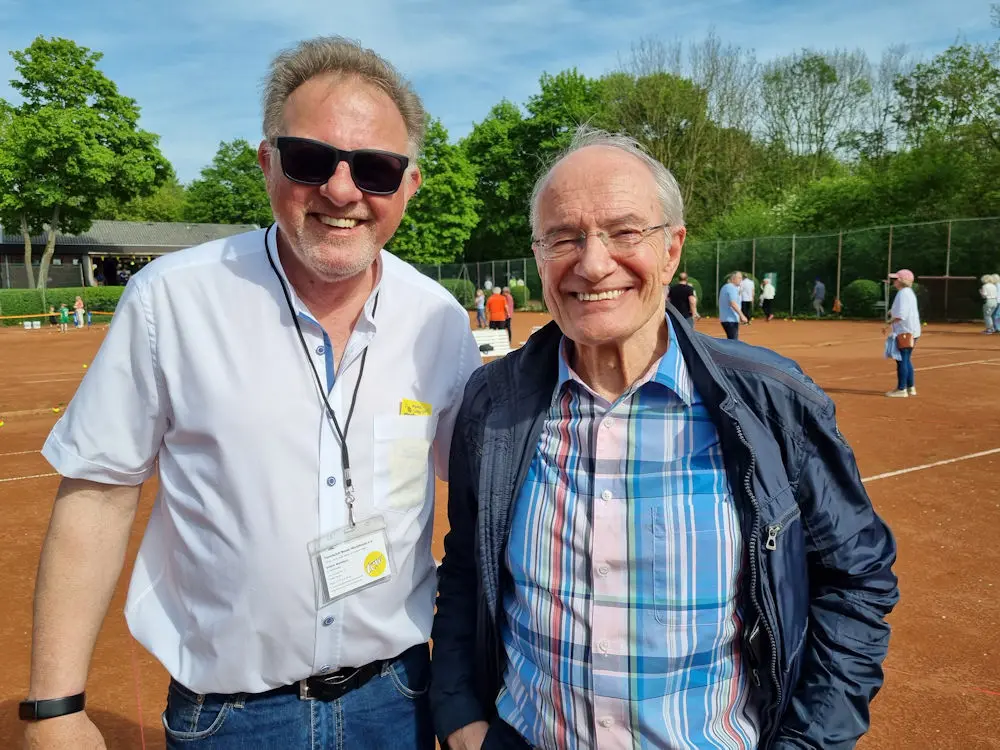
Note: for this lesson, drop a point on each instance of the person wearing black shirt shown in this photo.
(682, 296)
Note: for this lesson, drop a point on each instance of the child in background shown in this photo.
(63, 318)
(480, 309)
(53, 317)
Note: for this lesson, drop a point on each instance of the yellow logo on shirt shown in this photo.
(374, 564)
(410, 407)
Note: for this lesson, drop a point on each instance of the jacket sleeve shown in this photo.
(852, 588)
(454, 703)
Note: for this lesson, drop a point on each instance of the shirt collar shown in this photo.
(271, 247)
(670, 370)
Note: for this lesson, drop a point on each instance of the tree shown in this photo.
(810, 99)
(166, 204)
(72, 141)
(441, 216)
(955, 96)
(231, 190)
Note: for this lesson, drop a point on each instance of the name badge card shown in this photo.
(349, 560)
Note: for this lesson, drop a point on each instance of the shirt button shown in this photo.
(607, 422)
(330, 481)
(606, 495)
(607, 721)
(604, 645)
(603, 570)
(325, 668)
(327, 622)
(321, 349)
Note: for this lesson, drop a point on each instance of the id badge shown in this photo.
(349, 560)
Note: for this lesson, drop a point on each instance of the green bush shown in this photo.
(463, 290)
(697, 291)
(533, 283)
(30, 301)
(520, 295)
(859, 298)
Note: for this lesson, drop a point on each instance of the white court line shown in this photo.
(18, 453)
(931, 367)
(32, 476)
(930, 466)
(53, 380)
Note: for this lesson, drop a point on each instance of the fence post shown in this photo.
(889, 264)
(840, 250)
(753, 258)
(947, 272)
(493, 272)
(718, 248)
(791, 286)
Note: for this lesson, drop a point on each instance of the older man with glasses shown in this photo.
(285, 580)
(636, 557)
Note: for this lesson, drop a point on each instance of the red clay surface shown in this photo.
(942, 687)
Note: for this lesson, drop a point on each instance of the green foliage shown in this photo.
(231, 190)
(463, 290)
(697, 290)
(167, 203)
(73, 141)
(30, 301)
(520, 295)
(441, 216)
(751, 218)
(859, 299)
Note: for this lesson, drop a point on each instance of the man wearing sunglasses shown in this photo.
(285, 580)
(658, 538)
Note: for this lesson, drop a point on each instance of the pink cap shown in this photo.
(903, 274)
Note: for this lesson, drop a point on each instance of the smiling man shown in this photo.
(637, 559)
(294, 390)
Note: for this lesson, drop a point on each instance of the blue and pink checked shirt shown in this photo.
(623, 626)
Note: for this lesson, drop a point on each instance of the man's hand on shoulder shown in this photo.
(469, 737)
(72, 732)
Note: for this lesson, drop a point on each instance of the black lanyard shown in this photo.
(345, 459)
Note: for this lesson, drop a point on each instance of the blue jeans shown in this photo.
(904, 370)
(480, 317)
(732, 330)
(390, 710)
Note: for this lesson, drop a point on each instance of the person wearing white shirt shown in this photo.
(285, 579)
(990, 292)
(996, 312)
(746, 298)
(904, 318)
(767, 298)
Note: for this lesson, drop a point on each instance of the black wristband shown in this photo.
(51, 708)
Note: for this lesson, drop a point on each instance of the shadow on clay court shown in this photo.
(118, 732)
(855, 391)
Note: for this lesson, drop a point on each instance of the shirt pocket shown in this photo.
(402, 460)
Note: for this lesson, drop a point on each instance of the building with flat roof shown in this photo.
(107, 253)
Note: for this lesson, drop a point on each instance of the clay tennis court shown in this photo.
(942, 685)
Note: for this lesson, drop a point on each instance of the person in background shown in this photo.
(78, 308)
(818, 295)
(683, 297)
(996, 313)
(480, 309)
(63, 318)
(767, 298)
(509, 299)
(990, 294)
(496, 310)
(53, 316)
(904, 321)
(658, 539)
(746, 298)
(285, 580)
(730, 310)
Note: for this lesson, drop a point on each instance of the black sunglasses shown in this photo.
(310, 162)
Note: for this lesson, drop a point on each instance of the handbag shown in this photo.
(904, 340)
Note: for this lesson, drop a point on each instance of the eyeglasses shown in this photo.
(621, 242)
(310, 162)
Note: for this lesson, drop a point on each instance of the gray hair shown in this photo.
(667, 189)
(996, 278)
(336, 55)
(732, 276)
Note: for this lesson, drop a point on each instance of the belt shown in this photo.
(330, 687)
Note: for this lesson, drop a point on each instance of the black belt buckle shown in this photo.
(337, 685)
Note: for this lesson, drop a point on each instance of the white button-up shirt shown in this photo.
(203, 380)
(746, 290)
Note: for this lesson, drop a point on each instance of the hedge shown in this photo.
(29, 301)
(860, 297)
(463, 290)
(520, 295)
(697, 291)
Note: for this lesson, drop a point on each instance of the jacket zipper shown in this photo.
(754, 536)
(774, 529)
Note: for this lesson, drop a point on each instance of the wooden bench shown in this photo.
(495, 339)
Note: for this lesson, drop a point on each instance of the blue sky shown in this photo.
(195, 66)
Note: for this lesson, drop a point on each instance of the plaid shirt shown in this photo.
(622, 629)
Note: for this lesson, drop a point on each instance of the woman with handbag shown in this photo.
(904, 319)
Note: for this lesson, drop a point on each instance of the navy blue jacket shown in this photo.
(820, 577)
